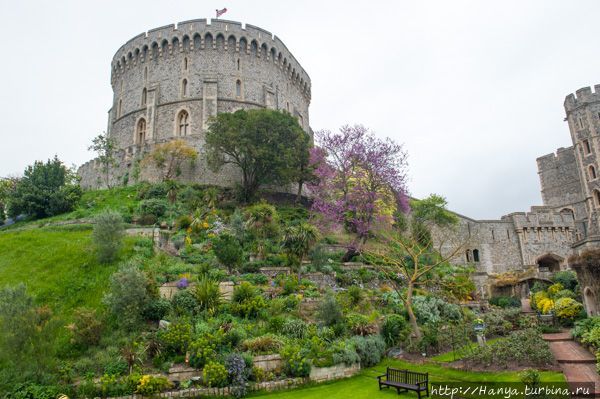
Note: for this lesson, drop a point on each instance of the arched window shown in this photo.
(475, 255)
(183, 123)
(587, 149)
(185, 64)
(592, 172)
(238, 88)
(238, 64)
(184, 90)
(144, 96)
(597, 198)
(141, 132)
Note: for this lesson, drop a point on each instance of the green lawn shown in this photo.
(364, 385)
(57, 265)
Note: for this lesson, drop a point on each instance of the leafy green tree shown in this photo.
(228, 251)
(105, 147)
(108, 235)
(46, 189)
(266, 145)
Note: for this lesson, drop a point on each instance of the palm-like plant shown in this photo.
(207, 294)
(298, 240)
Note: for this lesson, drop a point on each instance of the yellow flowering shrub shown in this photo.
(536, 298)
(149, 384)
(554, 288)
(545, 305)
(567, 308)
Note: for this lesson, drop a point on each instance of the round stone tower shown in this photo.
(167, 84)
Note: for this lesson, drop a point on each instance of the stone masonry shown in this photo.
(168, 82)
(533, 245)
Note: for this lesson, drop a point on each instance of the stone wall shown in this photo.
(199, 68)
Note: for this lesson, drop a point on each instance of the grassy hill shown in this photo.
(57, 264)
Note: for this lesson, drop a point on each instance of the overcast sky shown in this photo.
(473, 88)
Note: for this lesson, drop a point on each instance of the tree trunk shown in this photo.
(411, 315)
(299, 194)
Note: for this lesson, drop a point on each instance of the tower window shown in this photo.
(144, 96)
(183, 123)
(476, 255)
(587, 149)
(146, 73)
(119, 108)
(597, 198)
(185, 64)
(238, 64)
(238, 88)
(141, 131)
(580, 120)
(184, 84)
(592, 172)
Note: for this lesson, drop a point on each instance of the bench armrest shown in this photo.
(379, 377)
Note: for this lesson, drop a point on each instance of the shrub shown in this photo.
(567, 278)
(228, 250)
(86, 328)
(127, 296)
(202, 351)
(370, 349)
(150, 385)
(154, 207)
(592, 337)
(183, 222)
(501, 321)
(393, 329)
(505, 301)
(207, 294)
(433, 310)
(157, 309)
(108, 235)
(344, 352)
(244, 292)
(295, 364)
(236, 369)
(554, 288)
(567, 308)
(255, 278)
(176, 337)
(565, 294)
(545, 305)
(215, 375)
(536, 297)
(355, 294)
(184, 302)
(294, 328)
(265, 344)
(525, 347)
(330, 312)
(360, 325)
(584, 326)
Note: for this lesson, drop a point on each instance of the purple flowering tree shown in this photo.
(361, 181)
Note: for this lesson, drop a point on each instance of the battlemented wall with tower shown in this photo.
(168, 82)
(532, 245)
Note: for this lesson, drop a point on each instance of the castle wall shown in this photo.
(560, 181)
(202, 69)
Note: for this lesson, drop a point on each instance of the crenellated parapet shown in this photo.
(583, 96)
(219, 35)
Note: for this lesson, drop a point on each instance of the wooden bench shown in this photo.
(405, 380)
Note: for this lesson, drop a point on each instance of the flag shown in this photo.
(221, 12)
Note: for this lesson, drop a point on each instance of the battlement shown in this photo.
(216, 34)
(581, 97)
(554, 160)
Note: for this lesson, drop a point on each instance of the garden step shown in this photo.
(561, 336)
(578, 373)
(571, 352)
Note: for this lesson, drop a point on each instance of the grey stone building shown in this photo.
(511, 253)
(168, 82)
